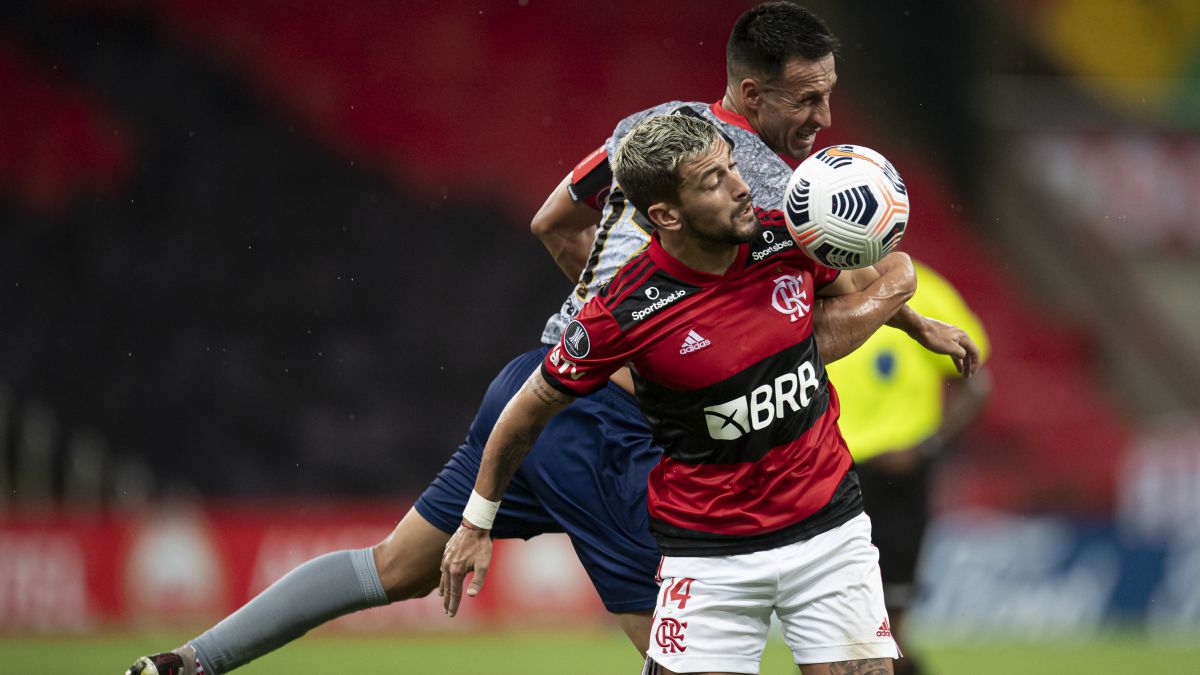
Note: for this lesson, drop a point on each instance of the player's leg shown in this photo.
(858, 667)
(830, 602)
(898, 505)
(636, 626)
(401, 567)
(588, 471)
(317, 591)
(404, 565)
(408, 559)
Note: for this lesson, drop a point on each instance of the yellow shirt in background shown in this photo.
(891, 388)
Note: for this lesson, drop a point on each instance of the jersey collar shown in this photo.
(730, 117)
(676, 268)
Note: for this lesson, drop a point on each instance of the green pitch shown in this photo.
(529, 653)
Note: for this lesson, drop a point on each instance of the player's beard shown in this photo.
(736, 229)
(743, 235)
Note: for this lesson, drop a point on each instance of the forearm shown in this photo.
(566, 229)
(506, 449)
(908, 320)
(570, 250)
(842, 323)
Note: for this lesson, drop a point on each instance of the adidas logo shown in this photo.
(694, 342)
(885, 630)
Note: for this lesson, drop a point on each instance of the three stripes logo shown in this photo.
(694, 342)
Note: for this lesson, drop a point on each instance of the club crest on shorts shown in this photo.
(576, 340)
(669, 635)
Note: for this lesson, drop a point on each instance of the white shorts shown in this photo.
(713, 613)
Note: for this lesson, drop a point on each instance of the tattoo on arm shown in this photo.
(511, 455)
(862, 667)
(545, 393)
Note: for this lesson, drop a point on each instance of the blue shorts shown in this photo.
(585, 476)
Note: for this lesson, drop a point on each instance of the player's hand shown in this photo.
(469, 550)
(940, 337)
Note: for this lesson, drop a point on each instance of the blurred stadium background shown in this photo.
(258, 261)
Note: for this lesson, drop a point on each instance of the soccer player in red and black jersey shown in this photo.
(586, 475)
(754, 503)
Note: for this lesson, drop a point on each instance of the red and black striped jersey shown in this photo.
(728, 374)
(622, 232)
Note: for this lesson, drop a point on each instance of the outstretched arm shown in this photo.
(566, 228)
(859, 301)
(940, 337)
(470, 548)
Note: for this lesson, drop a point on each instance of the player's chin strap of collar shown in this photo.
(651, 668)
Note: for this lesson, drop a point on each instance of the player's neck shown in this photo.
(701, 255)
(731, 103)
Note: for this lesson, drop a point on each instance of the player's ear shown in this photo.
(664, 216)
(751, 94)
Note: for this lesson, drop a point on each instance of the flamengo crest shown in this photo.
(789, 297)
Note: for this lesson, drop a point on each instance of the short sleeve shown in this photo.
(589, 351)
(591, 179)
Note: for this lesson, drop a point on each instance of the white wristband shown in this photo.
(480, 512)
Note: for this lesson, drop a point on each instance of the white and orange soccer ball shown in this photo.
(846, 206)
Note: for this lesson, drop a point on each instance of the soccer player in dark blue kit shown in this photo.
(586, 476)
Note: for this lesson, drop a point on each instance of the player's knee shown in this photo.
(402, 575)
(411, 590)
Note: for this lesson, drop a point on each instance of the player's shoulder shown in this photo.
(668, 108)
(640, 290)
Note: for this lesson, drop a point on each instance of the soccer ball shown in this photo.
(846, 206)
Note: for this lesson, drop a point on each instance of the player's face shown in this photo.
(714, 201)
(793, 107)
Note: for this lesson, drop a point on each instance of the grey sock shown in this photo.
(320, 590)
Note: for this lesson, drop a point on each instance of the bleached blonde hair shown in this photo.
(646, 162)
